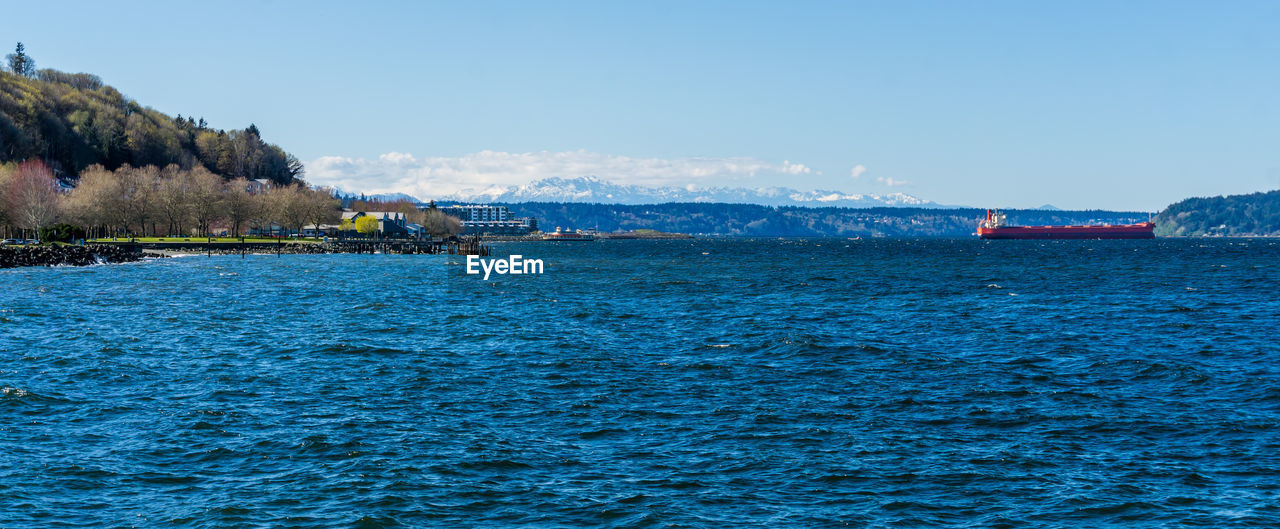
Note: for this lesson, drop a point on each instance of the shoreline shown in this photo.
(648, 236)
(123, 252)
(67, 255)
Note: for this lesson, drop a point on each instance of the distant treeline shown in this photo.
(1256, 214)
(72, 121)
(767, 221)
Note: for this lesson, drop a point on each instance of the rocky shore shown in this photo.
(293, 248)
(16, 256)
(400, 247)
(123, 252)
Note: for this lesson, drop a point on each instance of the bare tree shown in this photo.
(205, 198)
(31, 196)
(323, 208)
(138, 187)
(237, 204)
(435, 222)
(173, 198)
(96, 202)
(288, 207)
(261, 210)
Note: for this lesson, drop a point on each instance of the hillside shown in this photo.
(71, 121)
(767, 221)
(1256, 214)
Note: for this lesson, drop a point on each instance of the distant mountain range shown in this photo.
(591, 189)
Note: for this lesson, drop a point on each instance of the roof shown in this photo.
(383, 215)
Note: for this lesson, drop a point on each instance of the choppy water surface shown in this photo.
(705, 383)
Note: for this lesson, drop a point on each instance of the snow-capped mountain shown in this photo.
(379, 197)
(591, 189)
(392, 197)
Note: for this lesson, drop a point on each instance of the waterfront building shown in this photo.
(390, 224)
(483, 219)
(478, 212)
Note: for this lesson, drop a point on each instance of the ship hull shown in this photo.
(1144, 230)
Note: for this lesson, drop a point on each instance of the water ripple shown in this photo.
(703, 383)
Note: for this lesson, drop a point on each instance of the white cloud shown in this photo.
(794, 168)
(891, 182)
(396, 172)
(857, 171)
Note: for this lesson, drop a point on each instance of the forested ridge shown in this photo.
(790, 221)
(71, 121)
(1256, 214)
(79, 158)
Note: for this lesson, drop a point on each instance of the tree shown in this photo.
(96, 201)
(367, 225)
(322, 208)
(73, 120)
(5, 171)
(138, 197)
(288, 206)
(294, 166)
(237, 204)
(261, 211)
(78, 81)
(206, 198)
(31, 196)
(173, 198)
(21, 63)
(61, 232)
(435, 222)
(402, 206)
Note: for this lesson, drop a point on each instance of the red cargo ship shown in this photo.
(994, 227)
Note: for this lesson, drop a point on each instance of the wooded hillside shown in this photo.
(1234, 215)
(71, 121)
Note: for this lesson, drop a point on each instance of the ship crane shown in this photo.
(995, 219)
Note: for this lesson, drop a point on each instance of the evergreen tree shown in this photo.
(21, 63)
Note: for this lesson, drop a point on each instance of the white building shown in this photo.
(478, 213)
(492, 220)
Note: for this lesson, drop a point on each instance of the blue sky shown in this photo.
(1117, 105)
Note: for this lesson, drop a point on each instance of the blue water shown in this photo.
(703, 383)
